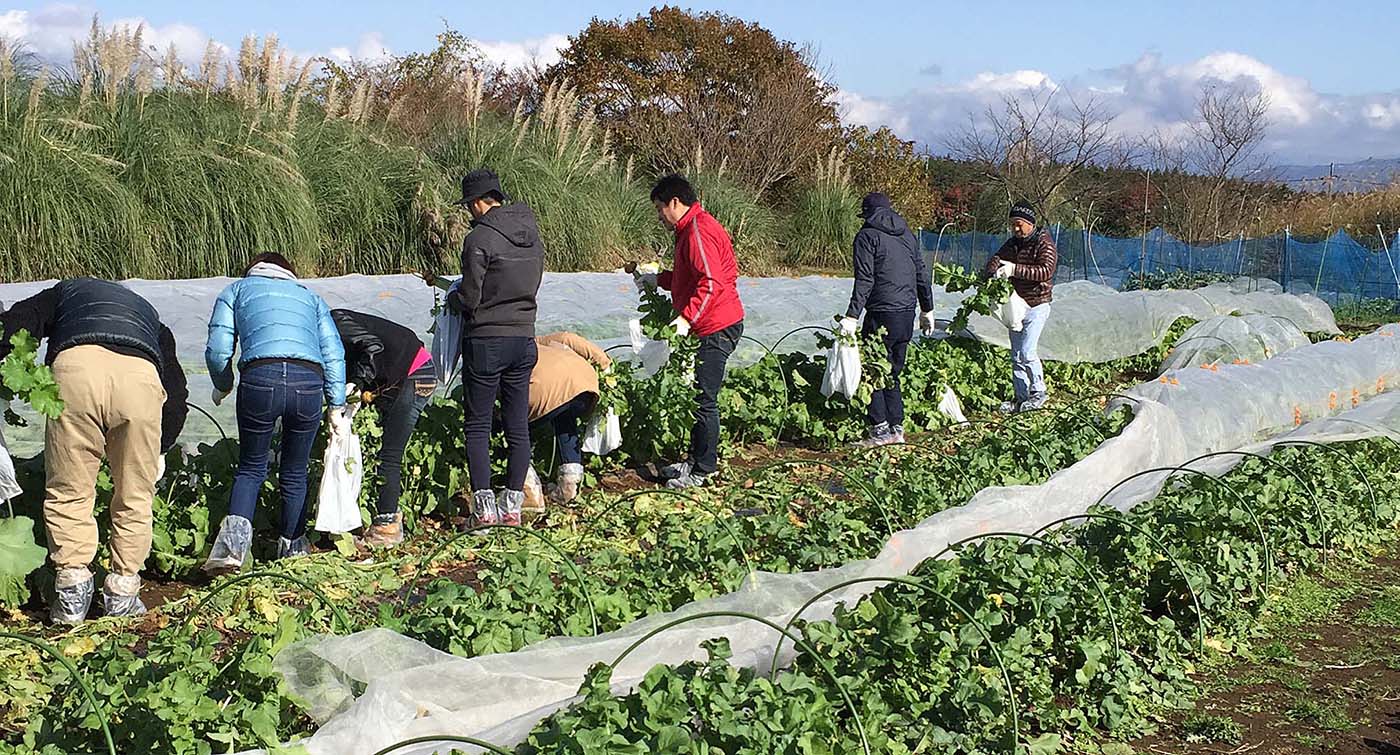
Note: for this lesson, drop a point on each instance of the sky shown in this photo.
(1332, 70)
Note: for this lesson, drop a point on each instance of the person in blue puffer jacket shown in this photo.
(291, 357)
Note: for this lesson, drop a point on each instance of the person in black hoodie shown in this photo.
(890, 279)
(124, 398)
(387, 365)
(502, 264)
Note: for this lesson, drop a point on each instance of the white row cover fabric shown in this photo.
(1091, 323)
(1229, 339)
(1325, 392)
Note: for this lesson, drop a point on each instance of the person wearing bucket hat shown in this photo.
(502, 265)
(1029, 260)
(890, 279)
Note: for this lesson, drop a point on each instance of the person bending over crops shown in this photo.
(890, 279)
(386, 363)
(563, 393)
(1029, 259)
(289, 359)
(502, 265)
(703, 282)
(123, 396)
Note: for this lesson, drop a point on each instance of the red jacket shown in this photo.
(704, 275)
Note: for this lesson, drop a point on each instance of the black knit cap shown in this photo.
(872, 202)
(478, 184)
(1023, 211)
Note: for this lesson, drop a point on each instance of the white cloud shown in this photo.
(370, 49)
(1305, 125)
(544, 51)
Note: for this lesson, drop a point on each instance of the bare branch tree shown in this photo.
(1206, 175)
(1032, 148)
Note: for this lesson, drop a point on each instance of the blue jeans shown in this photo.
(887, 404)
(399, 409)
(565, 423)
(267, 393)
(1027, 374)
(492, 367)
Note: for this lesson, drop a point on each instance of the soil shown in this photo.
(1330, 684)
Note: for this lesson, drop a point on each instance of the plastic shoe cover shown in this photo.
(692, 479)
(677, 470)
(1009, 407)
(534, 493)
(293, 548)
(231, 546)
(1033, 403)
(484, 508)
(72, 596)
(386, 533)
(511, 507)
(896, 436)
(570, 479)
(879, 436)
(121, 595)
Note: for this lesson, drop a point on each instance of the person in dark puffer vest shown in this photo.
(124, 397)
(1029, 260)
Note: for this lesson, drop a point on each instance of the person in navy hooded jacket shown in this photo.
(290, 359)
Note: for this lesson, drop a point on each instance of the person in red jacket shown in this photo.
(703, 284)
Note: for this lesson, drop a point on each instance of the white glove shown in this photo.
(644, 281)
(340, 422)
(351, 392)
(160, 467)
(848, 326)
(927, 325)
(682, 326)
(219, 396)
(1006, 269)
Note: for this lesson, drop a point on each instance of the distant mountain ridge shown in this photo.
(1366, 175)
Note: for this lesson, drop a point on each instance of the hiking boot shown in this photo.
(1033, 403)
(570, 480)
(231, 546)
(676, 471)
(691, 479)
(879, 436)
(121, 595)
(72, 596)
(385, 531)
(292, 548)
(510, 507)
(484, 511)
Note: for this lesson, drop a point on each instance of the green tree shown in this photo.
(881, 161)
(672, 84)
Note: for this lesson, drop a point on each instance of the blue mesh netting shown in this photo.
(1338, 269)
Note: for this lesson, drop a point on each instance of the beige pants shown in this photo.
(112, 404)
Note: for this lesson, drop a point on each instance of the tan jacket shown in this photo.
(564, 370)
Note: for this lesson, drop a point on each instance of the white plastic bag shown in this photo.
(653, 354)
(447, 340)
(1012, 312)
(842, 370)
(949, 406)
(9, 486)
(604, 434)
(338, 508)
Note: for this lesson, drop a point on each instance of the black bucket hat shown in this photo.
(478, 184)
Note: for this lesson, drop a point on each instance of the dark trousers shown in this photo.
(266, 393)
(887, 404)
(715, 350)
(565, 421)
(399, 409)
(495, 366)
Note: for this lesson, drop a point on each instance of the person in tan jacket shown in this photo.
(564, 392)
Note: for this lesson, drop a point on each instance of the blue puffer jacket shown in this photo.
(270, 318)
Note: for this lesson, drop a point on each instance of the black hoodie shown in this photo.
(889, 269)
(502, 263)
